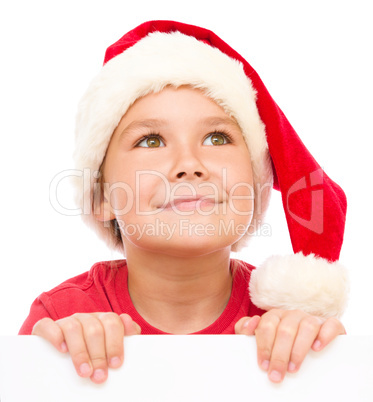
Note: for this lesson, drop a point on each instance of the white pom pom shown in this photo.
(308, 283)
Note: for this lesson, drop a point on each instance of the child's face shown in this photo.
(178, 174)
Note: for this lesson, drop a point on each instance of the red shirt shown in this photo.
(104, 289)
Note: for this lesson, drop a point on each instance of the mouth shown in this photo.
(185, 203)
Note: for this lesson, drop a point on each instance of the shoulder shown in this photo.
(100, 273)
(94, 290)
(242, 267)
(241, 274)
(89, 292)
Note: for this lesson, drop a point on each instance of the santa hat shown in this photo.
(161, 53)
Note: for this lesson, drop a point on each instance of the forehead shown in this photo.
(157, 108)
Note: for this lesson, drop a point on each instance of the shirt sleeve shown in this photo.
(38, 311)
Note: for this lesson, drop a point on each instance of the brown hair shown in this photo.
(112, 225)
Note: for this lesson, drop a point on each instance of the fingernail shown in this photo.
(85, 369)
(115, 362)
(292, 366)
(63, 347)
(99, 375)
(317, 344)
(246, 323)
(265, 365)
(275, 376)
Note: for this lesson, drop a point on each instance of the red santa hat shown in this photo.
(161, 53)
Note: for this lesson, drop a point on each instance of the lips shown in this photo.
(184, 204)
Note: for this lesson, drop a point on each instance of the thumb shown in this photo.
(247, 325)
(130, 326)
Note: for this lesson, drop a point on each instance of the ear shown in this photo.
(102, 210)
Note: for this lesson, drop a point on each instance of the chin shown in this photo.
(185, 246)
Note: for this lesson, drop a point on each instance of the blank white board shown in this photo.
(182, 368)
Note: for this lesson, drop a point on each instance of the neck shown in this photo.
(176, 294)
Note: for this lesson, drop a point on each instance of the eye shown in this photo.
(217, 139)
(151, 141)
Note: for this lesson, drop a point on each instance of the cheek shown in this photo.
(241, 197)
(148, 184)
(138, 192)
(121, 197)
(119, 188)
(240, 187)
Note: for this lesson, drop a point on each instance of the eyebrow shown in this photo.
(147, 123)
(217, 120)
(157, 123)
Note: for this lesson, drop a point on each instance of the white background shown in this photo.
(314, 57)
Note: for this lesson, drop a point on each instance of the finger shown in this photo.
(94, 336)
(247, 325)
(130, 326)
(282, 346)
(114, 333)
(308, 330)
(329, 330)
(74, 337)
(265, 336)
(50, 331)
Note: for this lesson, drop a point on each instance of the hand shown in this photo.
(284, 338)
(94, 340)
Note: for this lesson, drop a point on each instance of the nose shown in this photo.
(183, 174)
(188, 165)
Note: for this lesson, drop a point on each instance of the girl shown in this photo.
(178, 144)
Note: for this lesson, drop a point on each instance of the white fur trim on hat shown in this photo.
(154, 62)
(308, 283)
